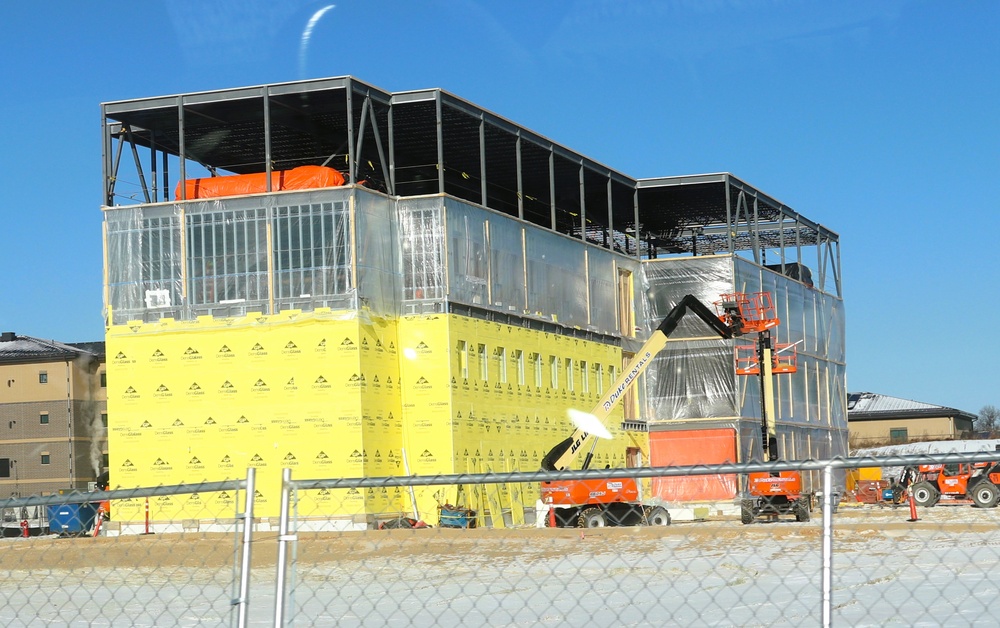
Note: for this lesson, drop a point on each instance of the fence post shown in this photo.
(243, 600)
(283, 539)
(827, 545)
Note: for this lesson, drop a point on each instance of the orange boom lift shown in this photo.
(596, 503)
(768, 494)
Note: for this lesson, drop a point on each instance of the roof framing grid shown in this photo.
(340, 122)
(484, 158)
(719, 213)
(433, 142)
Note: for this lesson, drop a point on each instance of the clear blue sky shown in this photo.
(880, 120)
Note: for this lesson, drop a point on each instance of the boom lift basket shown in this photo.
(756, 310)
(783, 360)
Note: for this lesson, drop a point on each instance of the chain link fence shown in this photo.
(869, 556)
(66, 564)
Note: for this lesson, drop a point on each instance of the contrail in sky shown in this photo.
(306, 34)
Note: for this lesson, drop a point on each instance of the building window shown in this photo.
(105, 461)
(45, 457)
(463, 359)
(43, 418)
(484, 370)
(554, 372)
(584, 377)
(599, 377)
(43, 377)
(570, 384)
(104, 419)
(502, 356)
(104, 379)
(4, 467)
(519, 358)
(898, 435)
(538, 369)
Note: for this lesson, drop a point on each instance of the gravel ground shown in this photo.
(887, 570)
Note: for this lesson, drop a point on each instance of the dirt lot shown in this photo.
(217, 550)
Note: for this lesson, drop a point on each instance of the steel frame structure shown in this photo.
(432, 142)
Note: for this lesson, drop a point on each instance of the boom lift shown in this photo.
(596, 503)
(775, 493)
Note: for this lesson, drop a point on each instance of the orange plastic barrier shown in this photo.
(301, 178)
(690, 447)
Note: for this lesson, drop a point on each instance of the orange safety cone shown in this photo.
(552, 517)
(913, 505)
(99, 518)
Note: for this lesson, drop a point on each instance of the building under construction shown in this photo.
(329, 277)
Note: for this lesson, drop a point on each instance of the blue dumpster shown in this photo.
(71, 519)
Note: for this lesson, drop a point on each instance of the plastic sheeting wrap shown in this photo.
(694, 378)
(468, 259)
(601, 266)
(143, 249)
(379, 275)
(496, 262)
(695, 381)
(421, 234)
(670, 280)
(507, 257)
(215, 257)
(555, 284)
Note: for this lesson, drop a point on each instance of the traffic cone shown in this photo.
(99, 519)
(913, 505)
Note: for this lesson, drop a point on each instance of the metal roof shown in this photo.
(15, 349)
(866, 405)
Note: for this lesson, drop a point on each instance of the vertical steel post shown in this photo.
(243, 600)
(827, 544)
(181, 148)
(439, 129)
(283, 540)
(266, 101)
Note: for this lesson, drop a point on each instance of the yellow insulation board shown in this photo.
(334, 394)
(472, 399)
(204, 400)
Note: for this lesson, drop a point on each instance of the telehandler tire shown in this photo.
(658, 516)
(985, 494)
(592, 518)
(925, 494)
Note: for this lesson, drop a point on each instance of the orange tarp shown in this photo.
(691, 447)
(301, 178)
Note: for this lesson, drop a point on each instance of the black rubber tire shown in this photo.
(925, 494)
(592, 518)
(747, 514)
(802, 509)
(985, 494)
(658, 516)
